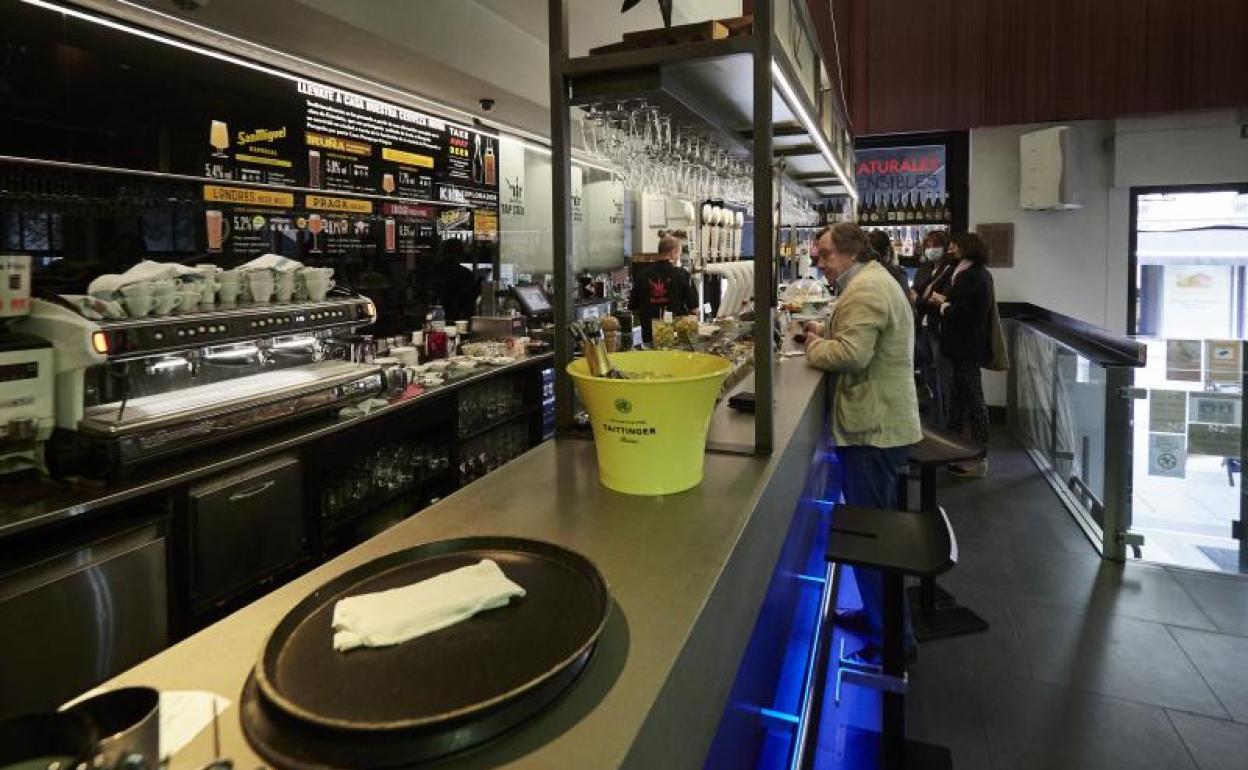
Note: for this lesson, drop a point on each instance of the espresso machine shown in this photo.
(132, 391)
(26, 376)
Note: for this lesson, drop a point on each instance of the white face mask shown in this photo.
(933, 254)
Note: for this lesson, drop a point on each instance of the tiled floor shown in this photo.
(1087, 664)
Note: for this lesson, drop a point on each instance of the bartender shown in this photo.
(663, 287)
(454, 286)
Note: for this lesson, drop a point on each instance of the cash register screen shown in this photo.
(532, 300)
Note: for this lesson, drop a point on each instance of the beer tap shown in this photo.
(704, 246)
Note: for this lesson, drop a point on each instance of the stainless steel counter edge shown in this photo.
(232, 454)
(687, 574)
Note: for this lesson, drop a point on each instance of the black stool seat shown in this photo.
(940, 447)
(937, 613)
(899, 544)
(893, 541)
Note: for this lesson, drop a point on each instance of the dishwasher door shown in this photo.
(80, 617)
(245, 527)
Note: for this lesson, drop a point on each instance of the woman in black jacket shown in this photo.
(965, 339)
(932, 278)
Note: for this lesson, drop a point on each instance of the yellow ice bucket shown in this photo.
(650, 429)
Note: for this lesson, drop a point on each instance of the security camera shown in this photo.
(487, 104)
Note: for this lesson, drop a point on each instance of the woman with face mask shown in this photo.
(965, 339)
(932, 278)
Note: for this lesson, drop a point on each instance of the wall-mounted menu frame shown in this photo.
(93, 96)
(117, 146)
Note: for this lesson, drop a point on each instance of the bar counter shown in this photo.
(687, 575)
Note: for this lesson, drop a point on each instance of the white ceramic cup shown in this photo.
(139, 289)
(228, 292)
(167, 303)
(164, 287)
(318, 288)
(208, 292)
(260, 284)
(285, 286)
(138, 305)
(188, 299)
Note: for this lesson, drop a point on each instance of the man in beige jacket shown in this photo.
(870, 345)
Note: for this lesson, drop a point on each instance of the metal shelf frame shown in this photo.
(678, 77)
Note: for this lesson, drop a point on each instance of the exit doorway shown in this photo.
(1189, 305)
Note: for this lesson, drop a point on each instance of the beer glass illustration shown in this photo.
(387, 183)
(218, 229)
(314, 168)
(315, 225)
(219, 138)
(390, 235)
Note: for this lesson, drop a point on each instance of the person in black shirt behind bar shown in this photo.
(663, 287)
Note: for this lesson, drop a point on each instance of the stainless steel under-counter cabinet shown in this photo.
(244, 528)
(81, 616)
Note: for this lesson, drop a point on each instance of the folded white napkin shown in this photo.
(107, 283)
(401, 614)
(147, 270)
(272, 262)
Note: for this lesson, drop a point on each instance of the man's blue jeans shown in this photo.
(869, 479)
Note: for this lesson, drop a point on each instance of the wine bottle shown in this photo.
(944, 208)
(890, 210)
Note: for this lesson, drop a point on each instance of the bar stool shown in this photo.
(935, 613)
(897, 543)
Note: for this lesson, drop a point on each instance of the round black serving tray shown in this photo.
(291, 744)
(436, 694)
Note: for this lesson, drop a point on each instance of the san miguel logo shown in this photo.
(261, 135)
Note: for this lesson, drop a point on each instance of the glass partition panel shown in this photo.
(1147, 459)
(1060, 416)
